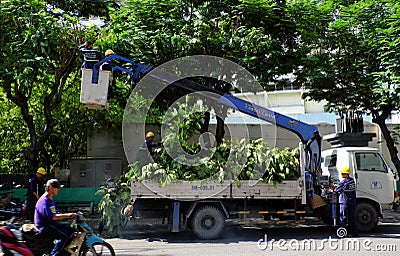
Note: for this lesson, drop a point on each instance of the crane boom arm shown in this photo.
(308, 134)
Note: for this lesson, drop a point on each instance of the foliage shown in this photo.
(86, 8)
(345, 51)
(13, 140)
(355, 62)
(258, 35)
(263, 163)
(42, 122)
(235, 159)
(36, 69)
(113, 200)
(396, 134)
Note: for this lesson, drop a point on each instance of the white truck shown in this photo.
(204, 206)
(376, 184)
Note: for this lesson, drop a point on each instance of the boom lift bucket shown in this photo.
(94, 96)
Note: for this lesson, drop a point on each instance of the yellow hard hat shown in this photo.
(41, 170)
(109, 52)
(345, 170)
(149, 134)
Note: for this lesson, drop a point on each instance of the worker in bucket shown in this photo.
(107, 65)
(347, 200)
(90, 55)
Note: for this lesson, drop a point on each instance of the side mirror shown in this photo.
(395, 174)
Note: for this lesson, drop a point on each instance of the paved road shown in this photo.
(318, 239)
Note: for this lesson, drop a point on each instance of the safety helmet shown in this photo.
(41, 170)
(149, 134)
(345, 170)
(109, 52)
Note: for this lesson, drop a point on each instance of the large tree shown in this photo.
(42, 122)
(345, 51)
(355, 63)
(86, 8)
(38, 60)
(39, 78)
(256, 35)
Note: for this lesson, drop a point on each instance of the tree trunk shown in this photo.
(205, 125)
(205, 128)
(220, 131)
(389, 143)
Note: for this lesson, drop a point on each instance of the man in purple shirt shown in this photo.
(46, 218)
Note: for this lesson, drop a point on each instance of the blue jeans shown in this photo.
(61, 232)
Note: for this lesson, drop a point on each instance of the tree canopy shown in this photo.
(345, 52)
(355, 64)
(39, 77)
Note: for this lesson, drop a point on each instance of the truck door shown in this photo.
(373, 177)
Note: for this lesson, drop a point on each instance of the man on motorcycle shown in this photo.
(46, 218)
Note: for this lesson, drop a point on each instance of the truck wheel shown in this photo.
(208, 222)
(366, 216)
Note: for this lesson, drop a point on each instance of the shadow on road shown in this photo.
(153, 232)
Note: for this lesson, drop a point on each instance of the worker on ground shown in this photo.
(107, 65)
(35, 191)
(347, 200)
(146, 150)
(90, 55)
(46, 218)
(149, 143)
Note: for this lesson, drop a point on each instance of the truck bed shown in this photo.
(195, 190)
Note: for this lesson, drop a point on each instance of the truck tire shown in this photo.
(208, 222)
(366, 216)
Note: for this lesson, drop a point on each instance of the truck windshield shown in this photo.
(370, 162)
(330, 161)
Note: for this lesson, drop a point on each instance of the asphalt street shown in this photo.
(150, 238)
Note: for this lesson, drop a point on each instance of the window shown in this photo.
(330, 161)
(372, 162)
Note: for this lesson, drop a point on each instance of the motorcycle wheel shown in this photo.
(99, 249)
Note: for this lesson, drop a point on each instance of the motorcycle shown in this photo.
(84, 241)
(11, 242)
(13, 207)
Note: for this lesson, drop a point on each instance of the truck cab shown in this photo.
(376, 184)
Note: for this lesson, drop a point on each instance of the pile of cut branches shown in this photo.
(230, 160)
